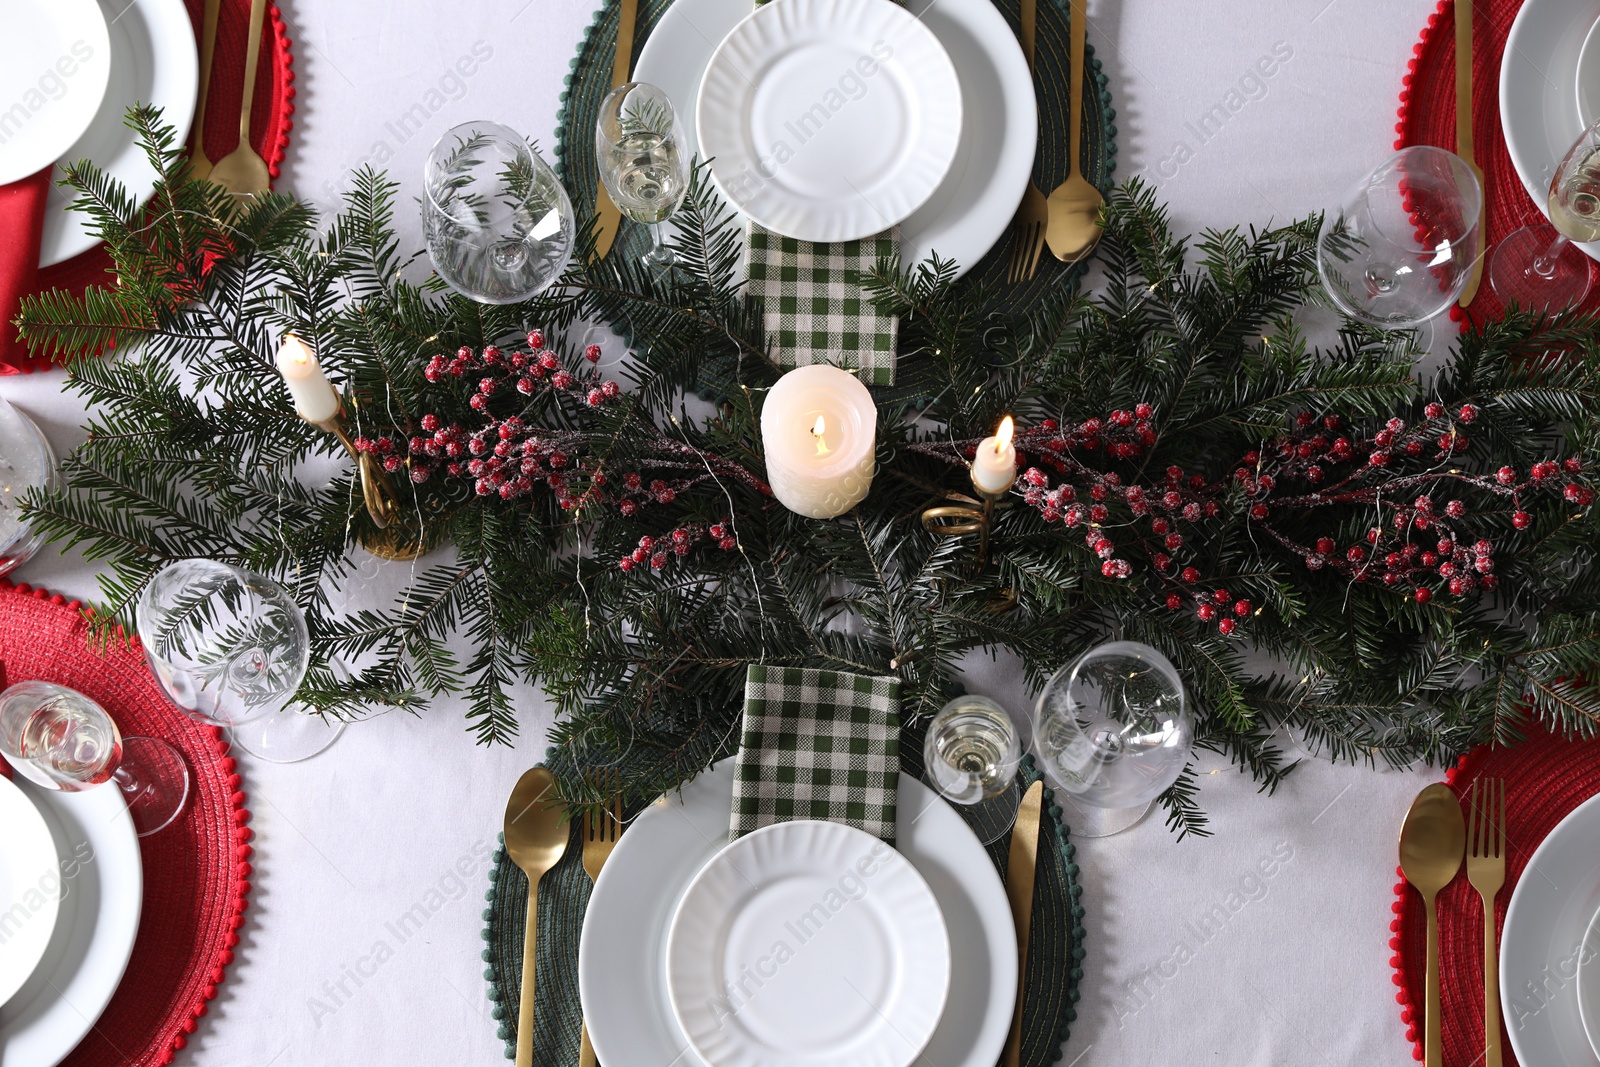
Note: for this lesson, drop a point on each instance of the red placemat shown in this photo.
(1428, 116)
(271, 118)
(1546, 777)
(196, 871)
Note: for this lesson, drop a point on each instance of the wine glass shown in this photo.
(1113, 731)
(58, 738)
(638, 143)
(500, 226)
(970, 757)
(293, 733)
(1400, 247)
(227, 646)
(1536, 267)
(26, 462)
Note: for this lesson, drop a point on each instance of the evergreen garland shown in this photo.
(1197, 476)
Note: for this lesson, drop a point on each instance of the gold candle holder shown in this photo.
(393, 539)
(970, 515)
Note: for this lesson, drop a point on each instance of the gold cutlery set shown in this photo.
(1433, 842)
(242, 172)
(1068, 220)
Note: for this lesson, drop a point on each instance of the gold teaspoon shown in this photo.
(1432, 843)
(536, 838)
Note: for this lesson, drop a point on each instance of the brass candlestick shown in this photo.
(394, 540)
(968, 516)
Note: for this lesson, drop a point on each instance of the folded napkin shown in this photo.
(22, 207)
(813, 308)
(817, 745)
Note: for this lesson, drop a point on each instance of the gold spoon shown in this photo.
(1074, 226)
(243, 172)
(536, 838)
(1432, 842)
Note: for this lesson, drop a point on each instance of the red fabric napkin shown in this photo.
(22, 207)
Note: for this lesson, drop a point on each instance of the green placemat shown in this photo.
(1055, 947)
(589, 81)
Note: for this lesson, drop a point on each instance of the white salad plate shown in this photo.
(622, 954)
(1589, 77)
(1538, 87)
(153, 61)
(1542, 943)
(102, 882)
(1589, 984)
(30, 888)
(808, 944)
(55, 61)
(829, 120)
(974, 204)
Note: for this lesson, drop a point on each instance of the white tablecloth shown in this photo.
(1263, 946)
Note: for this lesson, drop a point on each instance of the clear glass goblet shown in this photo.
(1112, 732)
(1536, 267)
(293, 733)
(60, 739)
(26, 463)
(500, 226)
(970, 757)
(1399, 248)
(227, 646)
(639, 146)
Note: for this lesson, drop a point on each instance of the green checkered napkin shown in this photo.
(817, 745)
(813, 308)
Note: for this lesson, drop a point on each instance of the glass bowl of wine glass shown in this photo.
(639, 146)
(500, 226)
(228, 646)
(1112, 732)
(1400, 246)
(1537, 267)
(970, 757)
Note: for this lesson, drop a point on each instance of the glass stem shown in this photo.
(658, 245)
(1545, 264)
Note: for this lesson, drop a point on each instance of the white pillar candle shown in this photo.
(819, 428)
(314, 396)
(994, 467)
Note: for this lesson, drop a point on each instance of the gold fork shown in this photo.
(1033, 214)
(601, 829)
(1486, 870)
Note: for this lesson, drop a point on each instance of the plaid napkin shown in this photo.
(812, 305)
(817, 745)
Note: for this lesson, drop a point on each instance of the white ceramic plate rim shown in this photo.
(164, 28)
(1588, 77)
(40, 1026)
(711, 906)
(1555, 897)
(974, 204)
(31, 859)
(1589, 984)
(919, 63)
(1537, 112)
(621, 957)
(83, 93)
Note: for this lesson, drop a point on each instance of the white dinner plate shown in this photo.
(1589, 77)
(1589, 984)
(102, 893)
(153, 61)
(974, 204)
(30, 888)
(622, 955)
(1538, 83)
(808, 944)
(55, 60)
(829, 120)
(1541, 943)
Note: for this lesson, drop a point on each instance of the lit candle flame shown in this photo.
(1002, 436)
(817, 430)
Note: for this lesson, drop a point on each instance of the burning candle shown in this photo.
(314, 396)
(819, 427)
(994, 467)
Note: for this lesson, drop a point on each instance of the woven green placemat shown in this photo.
(589, 81)
(1055, 946)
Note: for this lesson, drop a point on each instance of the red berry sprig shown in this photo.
(657, 552)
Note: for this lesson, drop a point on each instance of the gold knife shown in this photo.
(608, 217)
(1019, 890)
(1464, 137)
